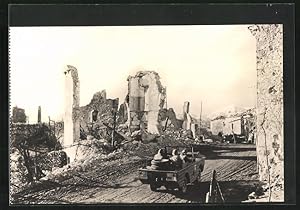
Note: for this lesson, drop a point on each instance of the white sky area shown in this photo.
(212, 64)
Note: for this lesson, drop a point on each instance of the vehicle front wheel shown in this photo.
(153, 187)
(169, 188)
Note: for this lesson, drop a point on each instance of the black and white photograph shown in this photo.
(146, 114)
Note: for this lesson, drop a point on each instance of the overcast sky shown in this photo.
(213, 64)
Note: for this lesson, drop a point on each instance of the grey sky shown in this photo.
(213, 64)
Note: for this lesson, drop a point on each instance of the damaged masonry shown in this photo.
(139, 112)
(130, 131)
(142, 113)
(146, 100)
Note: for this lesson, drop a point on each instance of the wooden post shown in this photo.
(115, 107)
(113, 130)
(220, 192)
(214, 190)
(200, 121)
(234, 140)
(193, 155)
(35, 166)
(166, 98)
(207, 198)
(166, 124)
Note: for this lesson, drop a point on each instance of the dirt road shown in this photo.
(236, 173)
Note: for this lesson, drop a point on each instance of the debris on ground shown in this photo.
(262, 192)
(18, 171)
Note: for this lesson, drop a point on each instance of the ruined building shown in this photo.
(100, 110)
(270, 138)
(18, 115)
(167, 119)
(72, 112)
(240, 124)
(146, 97)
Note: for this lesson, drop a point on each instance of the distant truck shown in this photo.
(172, 179)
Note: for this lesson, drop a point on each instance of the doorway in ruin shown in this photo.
(94, 116)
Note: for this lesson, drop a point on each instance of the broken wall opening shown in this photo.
(97, 114)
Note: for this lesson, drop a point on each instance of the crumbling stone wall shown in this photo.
(233, 124)
(217, 125)
(188, 123)
(167, 118)
(123, 113)
(269, 51)
(187, 119)
(146, 99)
(71, 117)
(103, 112)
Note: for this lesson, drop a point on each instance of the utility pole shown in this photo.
(166, 98)
(200, 120)
(115, 108)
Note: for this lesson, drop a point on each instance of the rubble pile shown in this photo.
(262, 192)
(18, 172)
(88, 149)
(53, 159)
(170, 137)
(18, 131)
(82, 164)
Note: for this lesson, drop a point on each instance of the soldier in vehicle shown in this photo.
(183, 156)
(176, 162)
(160, 160)
(164, 153)
(159, 155)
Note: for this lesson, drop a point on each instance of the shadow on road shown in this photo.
(212, 152)
(233, 191)
(232, 157)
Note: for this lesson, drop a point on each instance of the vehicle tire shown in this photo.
(169, 188)
(183, 188)
(153, 187)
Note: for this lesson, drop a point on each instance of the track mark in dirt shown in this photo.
(117, 182)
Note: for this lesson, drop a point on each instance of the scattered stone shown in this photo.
(252, 196)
